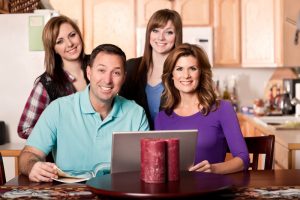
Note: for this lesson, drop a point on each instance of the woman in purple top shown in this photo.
(189, 102)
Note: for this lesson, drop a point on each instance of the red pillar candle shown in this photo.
(173, 159)
(153, 160)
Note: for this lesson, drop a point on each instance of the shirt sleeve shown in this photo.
(144, 122)
(44, 133)
(36, 103)
(233, 134)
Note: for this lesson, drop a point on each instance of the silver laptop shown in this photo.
(126, 150)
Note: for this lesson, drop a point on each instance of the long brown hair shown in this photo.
(53, 62)
(159, 19)
(205, 91)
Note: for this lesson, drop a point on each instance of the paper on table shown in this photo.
(72, 176)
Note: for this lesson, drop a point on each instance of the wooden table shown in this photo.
(12, 150)
(128, 185)
(191, 184)
(54, 190)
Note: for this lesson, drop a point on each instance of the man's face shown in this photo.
(106, 78)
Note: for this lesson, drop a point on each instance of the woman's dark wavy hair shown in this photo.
(206, 95)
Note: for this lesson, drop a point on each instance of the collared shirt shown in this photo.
(76, 134)
(36, 103)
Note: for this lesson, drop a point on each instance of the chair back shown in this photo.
(260, 145)
(2, 172)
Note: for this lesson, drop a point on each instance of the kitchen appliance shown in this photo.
(21, 62)
(201, 36)
(292, 88)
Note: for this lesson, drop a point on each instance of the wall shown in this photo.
(251, 82)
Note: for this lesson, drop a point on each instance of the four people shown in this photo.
(80, 125)
(78, 128)
(65, 63)
(189, 102)
(143, 82)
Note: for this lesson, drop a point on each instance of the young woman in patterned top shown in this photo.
(65, 63)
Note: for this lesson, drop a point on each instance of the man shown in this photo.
(78, 128)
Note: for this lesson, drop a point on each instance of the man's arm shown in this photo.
(32, 163)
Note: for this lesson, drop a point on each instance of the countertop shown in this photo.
(288, 138)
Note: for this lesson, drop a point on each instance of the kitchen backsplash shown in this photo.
(250, 82)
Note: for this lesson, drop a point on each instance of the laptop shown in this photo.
(126, 148)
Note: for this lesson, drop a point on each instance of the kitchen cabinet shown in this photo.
(4, 8)
(291, 50)
(255, 33)
(103, 21)
(281, 161)
(76, 13)
(261, 32)
(107, 21)
(227, 36)
(193, 12)
(245, 125)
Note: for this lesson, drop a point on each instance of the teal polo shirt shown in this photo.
(75, 133)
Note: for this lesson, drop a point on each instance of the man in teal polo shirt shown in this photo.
(78, 128)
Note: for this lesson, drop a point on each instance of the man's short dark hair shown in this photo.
(110, 49)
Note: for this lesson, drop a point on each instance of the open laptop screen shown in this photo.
(126, 148)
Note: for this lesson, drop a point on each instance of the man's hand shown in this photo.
(203, 166)
(43, 172)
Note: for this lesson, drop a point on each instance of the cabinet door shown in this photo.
(145, 9)
(75, 13)
(109, 21)
(260, 32)
(227, 34)
(281, 156)
(291, 9)
(194, 12)
(291, 51)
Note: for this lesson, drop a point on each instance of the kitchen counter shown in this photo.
(287, 142)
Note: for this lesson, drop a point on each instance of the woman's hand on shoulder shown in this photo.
(203, 166)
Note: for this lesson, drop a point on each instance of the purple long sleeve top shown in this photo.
(215, 131)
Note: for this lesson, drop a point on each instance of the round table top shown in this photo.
(129, 184)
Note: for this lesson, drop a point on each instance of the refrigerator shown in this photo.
(21, 62)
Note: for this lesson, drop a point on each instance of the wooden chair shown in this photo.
(2, 172)
(259, 145)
